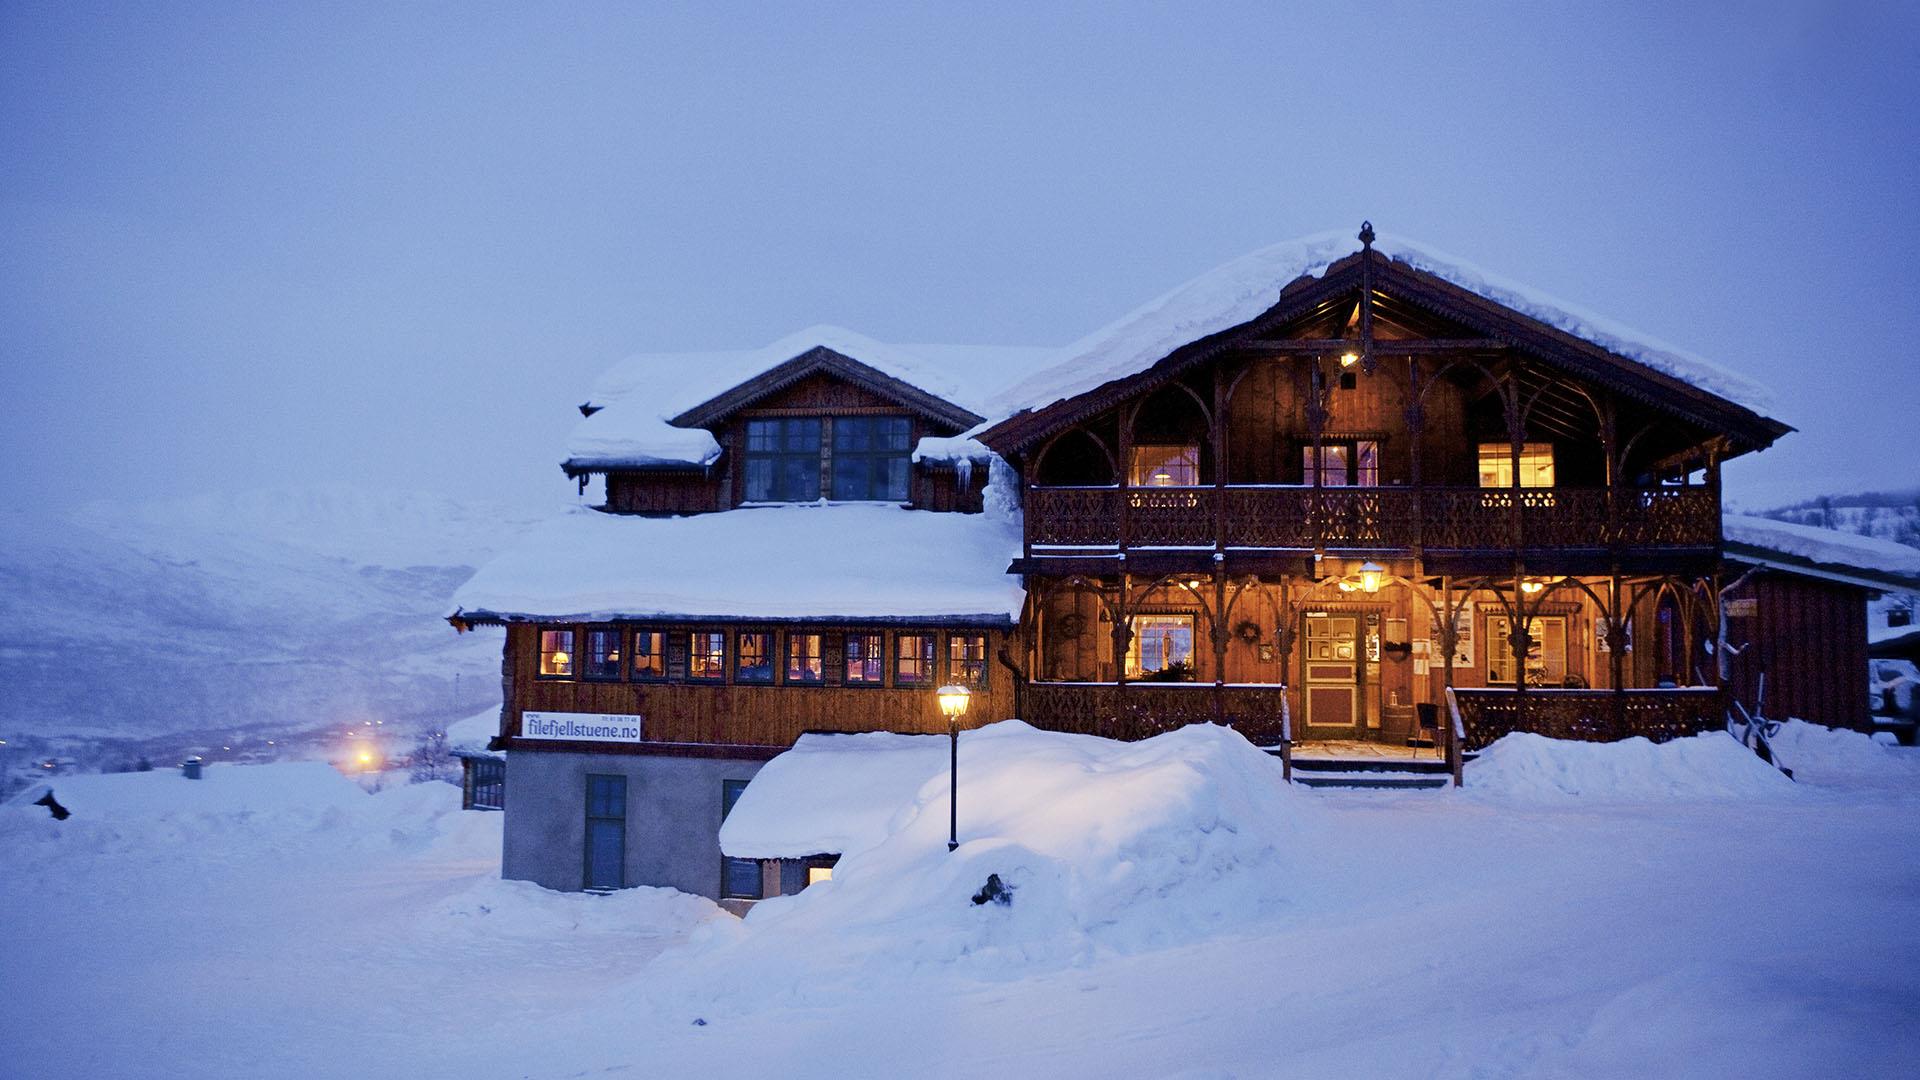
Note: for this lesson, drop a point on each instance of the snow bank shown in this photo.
(1243, 289)
(1826, 547)
(499, 908)
(1524, 766)
(640, 395)
(1837, 756)
(808, 561)
(1105, 846)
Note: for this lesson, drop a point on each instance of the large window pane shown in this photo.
(967, 660)
(649, 655)
(870, 458)
(1164, 466)
(1162, 647)
(865, 664)
(707, 657)
(804, 662)
(556, 654)
(1536, 465)
(755, 657)
(603, 654)
(783, 460)
(913, 660)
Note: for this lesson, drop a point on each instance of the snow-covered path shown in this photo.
(1451, 936)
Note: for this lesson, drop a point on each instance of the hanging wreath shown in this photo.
(1248, 631)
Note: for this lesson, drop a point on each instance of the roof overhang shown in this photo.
(1858, 576)
(823, 360)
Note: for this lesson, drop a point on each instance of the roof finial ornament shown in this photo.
(1366, 234)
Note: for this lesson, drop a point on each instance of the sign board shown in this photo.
(1743, 608)
(580, 727)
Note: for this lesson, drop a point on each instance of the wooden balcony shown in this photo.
(1140, 710)
(1590, 715)
(1371, 518)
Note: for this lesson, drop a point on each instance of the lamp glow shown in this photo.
(1349, 359)
(1532, 587)
(1370, 575)
(953, 701)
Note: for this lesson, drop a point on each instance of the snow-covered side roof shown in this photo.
(638, 397)
(1241, 290)
(474, 732)
(831, 795)
(780, 562)
(1840, 551)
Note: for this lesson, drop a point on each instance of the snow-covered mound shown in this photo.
(499, 908)
(1710, 766)
(1824, 755)
(1104, 847)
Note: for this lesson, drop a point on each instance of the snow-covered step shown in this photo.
(1370, 778)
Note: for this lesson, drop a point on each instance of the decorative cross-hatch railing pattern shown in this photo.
(1590, 715)
(1142, 710)
(1458, 519)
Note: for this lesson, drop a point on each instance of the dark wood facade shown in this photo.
(1808, 635)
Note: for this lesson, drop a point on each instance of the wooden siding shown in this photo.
(755, 715)
(1810, 636)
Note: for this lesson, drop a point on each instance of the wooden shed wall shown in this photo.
(1810, 636)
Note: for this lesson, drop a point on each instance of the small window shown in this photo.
(1342, 463)
(739, 878)
(967, 660)
(556, 654)
(1546, 661)
(603, 653)
(870, 458)
(487, 786)
(1165, 466)
(804, 662)
(1162, 648)
(1536, 465)
(649, 655)
(754, 663)
(866, 664)
(707, 657)
(913, 660)
(783, 460)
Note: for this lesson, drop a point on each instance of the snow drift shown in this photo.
(1106, 847)
(1524, 766)
(1823, 755)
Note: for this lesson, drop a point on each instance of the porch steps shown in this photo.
(1391, 773)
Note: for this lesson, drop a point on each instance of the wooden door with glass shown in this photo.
(1330, 660)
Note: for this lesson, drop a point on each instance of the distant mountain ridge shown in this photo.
(1889, 515)
(226, 620)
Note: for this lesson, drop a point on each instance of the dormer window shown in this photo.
(783, 460)
(870, 458)
(1165, 465)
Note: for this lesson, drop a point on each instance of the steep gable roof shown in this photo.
(1237, 301)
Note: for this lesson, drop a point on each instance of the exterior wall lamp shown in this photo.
(953, 702)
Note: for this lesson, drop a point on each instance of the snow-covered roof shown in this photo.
(776, 562)
(638, 397)
(831, 794)
(1241, 290)
(1830, 548)
(474, 732)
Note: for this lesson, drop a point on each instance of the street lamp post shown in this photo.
(953, 702)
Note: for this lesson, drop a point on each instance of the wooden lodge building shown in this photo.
(1337, 490)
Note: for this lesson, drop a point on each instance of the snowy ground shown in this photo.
(278, 921)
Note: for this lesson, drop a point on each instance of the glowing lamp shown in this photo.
(1370, 575)
(1532, 587)
(953, 701)
(1349, 359)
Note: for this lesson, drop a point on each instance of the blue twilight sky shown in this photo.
(267, 244)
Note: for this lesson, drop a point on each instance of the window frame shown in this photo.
(1500, 456)
(740, 675)
(870, 457)
(1356, 473)
(931, 677)
(730, 792)
(1137, 469)
(955, 676)
(846, 668)
(719, 665)
(781, 456)
(819, 658)
(1500, 651)
(586, 848)
(541, 652)
(658, 657)
(588, 672)
(1133, 662)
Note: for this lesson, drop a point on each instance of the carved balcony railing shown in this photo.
(1142, 710)
(1590, 715)
(1447, 519)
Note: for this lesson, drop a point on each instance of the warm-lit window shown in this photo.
(1164, 466)
(707, 657)
(967, 660)
(753, 657)
(913, 660)
(649, 655)
(1546, 660)
(1344, 463)
(603, 654)
(556, 654)
(739, 878)
(866, 664)
(783, 460)
(1162, 648)
(1536, 465)
(870, 457)
(804, 662)
(818, 874)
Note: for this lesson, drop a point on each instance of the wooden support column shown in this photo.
(1218, 438)
(1416, 427)
(1123, 471)
(1217, 621)
(1616, 650)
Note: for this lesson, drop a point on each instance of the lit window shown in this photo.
(967, 660)
(913, 660)
(603, 654)
(649, 655)
(804, 662)
(783, 460)
(818, 874)
(1350, 462)
(866, 666)
(1164, 466)
(1162, 648)
(707, 657)
(739, 878)
(1536, 465)
(556, 654)
(1546, 660)
(870, 457)
(754, 657)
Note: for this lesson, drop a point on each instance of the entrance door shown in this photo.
(606, 832)
(1332, 668)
